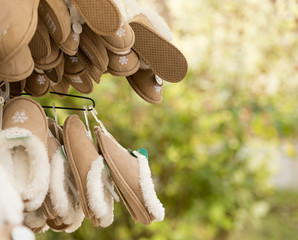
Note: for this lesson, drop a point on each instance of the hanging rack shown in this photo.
(68, 95)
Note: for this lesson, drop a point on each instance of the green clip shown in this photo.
(144, 152)
(107, 168)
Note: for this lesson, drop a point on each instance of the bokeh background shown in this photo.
(223, 143)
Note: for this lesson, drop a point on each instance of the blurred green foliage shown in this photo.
(214, 141)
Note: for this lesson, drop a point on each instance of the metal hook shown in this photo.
(56, 121)
(87, 123)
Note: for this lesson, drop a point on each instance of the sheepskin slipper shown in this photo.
(94, 72)
(56, 16)
(56, 74)
(37, 84)
(11, 204)
(120, 42)
(40, 44)
(157, 51)
(147, 85)
(25, 151)
(19, 67)
(123, 65)
(61, 87)
(71, 44)
(21, 29)
(72, 65)
(16, 88)
(81, 82)
(94, 49)
(132, 177)
(53, 60)
(89, 173)
(102, 16)
(16, 232)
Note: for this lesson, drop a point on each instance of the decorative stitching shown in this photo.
(19, 117)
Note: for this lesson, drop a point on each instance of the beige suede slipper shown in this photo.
(25, 149)
(120, 42)
(37, 84)
(123, 65)
(71, 44)
(16, 88)
(11, 232)
(132, 177)
(94, 49)
(102, 16)
(19, 67)
(5, 16)
(40, 44)
(147, 85)
(158, 52)
(56, 74)
(61, 87)
(89, 172)
(72, 65)
(56, 16)
(81, 82)
(53, 60)
(21, 30)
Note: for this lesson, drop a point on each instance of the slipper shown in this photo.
(12, 232)
(72, 65)
(35, 220)
(155, 49)
(94, 49)
(25, 149)
(21, 29)
(56, 16)
(40, 44)
(102, 16)
(37, 84)
(81, 82)
(94, 72)
(53, 60)
(56, 74)
(16, 88)
(89, 173)
(120, 42)
(61, 87)
(71, 44)
(19, 67)
(5, 16)
(132, 177)
(147, 85)
(123, 65)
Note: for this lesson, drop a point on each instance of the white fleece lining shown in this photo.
(121, 8)
(99, 198)
(152, 203)
(11, 204)
(77, 220)
(29, 165)
(75, 16)
(35, 219)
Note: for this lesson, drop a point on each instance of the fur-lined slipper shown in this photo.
(153, 46)
(56, 16)
(72, 65)
(40, 44)
(102, 16)
(89, 172)
(120, 42)
(147, 85)
(94, 49)
(37, 84)
(94, 72)
(13, 232)
(132, 177)
(16, 88)
(5, 16)
(25, 149)
(35, 220)
(61, 87)
(11, 204)
(56, 74)
(53, 60)
(71, 45)
(19, 67)
(21, 30)
(81, 82)
(123, 65)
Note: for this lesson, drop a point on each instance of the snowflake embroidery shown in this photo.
(123, 60)
(74, 59)
(41, 79)
(19, 117)
(157, 88)
(121, 32)
(76, 37)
